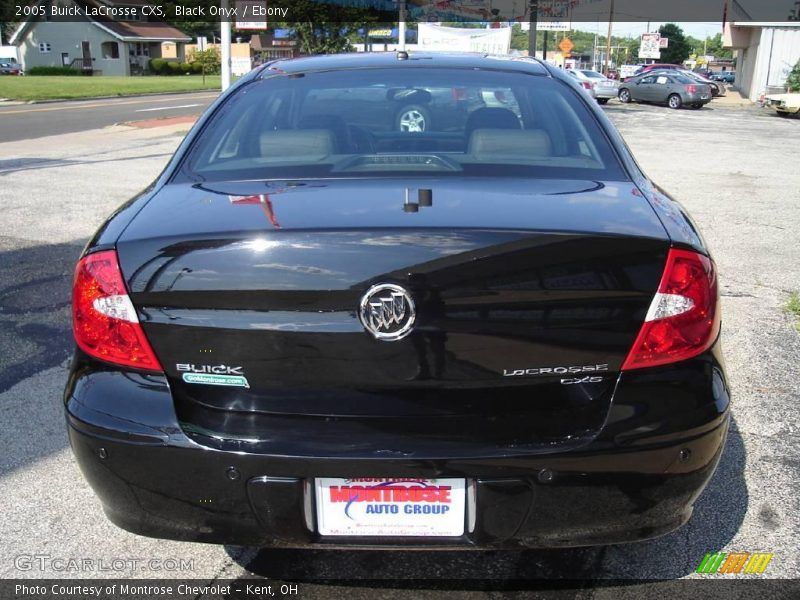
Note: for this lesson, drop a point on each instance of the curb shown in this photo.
(89, 98)
(189, 120)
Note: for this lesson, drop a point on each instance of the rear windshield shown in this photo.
(680, 78)
(390, 122)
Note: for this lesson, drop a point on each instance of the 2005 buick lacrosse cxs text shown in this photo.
(399, 300)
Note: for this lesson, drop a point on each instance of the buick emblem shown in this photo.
(387, 312)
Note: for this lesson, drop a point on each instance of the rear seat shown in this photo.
(293, 144)
(508, 142)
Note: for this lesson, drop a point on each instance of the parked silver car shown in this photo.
(598, 85)
(670, 88)
(10, 67)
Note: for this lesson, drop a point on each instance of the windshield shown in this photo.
(594, 74)
(385, 122)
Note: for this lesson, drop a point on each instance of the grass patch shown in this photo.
(793, 308)
(63, 88)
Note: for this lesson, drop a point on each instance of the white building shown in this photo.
(118, 46)
(766, 53)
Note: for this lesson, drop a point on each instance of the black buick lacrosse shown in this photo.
(399, 300)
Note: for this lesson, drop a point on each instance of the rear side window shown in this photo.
(390, 122)
(678, 78)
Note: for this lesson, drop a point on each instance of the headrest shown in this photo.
(531, 142)
(334, 123)
(491, 118)
(307, 144)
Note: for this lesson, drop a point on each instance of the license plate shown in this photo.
(606, 83)
(390, 507)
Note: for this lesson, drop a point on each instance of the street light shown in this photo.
(225, 42)
(533, 15)
(401, 25)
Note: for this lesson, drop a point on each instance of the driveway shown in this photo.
(729, 167)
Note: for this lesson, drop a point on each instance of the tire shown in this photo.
(624, 95)
(781, 114)
(674, 101)
(413, 118)
(697, 106)
(602, 100)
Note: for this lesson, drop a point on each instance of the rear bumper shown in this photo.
(605, 92)
(697, 98)
(637, 480)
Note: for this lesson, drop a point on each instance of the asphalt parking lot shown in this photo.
(734, 168)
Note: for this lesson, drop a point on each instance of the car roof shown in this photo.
(380, 60)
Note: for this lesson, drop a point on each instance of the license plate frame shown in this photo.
(429, 508)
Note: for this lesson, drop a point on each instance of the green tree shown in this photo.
(678, 49)
(714, 47)
(793, 81)
(209, 61)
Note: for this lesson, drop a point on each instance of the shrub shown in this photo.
(158, 66)
(186, 68)
(793, 81)
(174, 68)
(197, 68)
(209, 59)
(53, 71)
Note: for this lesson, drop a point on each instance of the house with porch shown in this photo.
(121, 45)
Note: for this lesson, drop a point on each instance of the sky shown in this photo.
(634, 29)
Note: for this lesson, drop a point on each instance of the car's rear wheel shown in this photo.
(674, 101)
(696, 106)
(624, 95)
(602, 100)
(413, 119)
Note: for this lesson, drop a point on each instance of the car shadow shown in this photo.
(16, 165)
(35, 334)
(718, 515)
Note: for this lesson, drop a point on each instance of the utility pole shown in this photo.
(608, 40)
(225, 42)
(401, 26)
(533, 15)
(544, 53)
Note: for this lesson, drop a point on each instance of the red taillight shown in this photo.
(683, 320)
(459, 94)
(691, 88)
(104, 321)
(586, 85)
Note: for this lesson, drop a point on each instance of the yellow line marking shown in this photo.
(95, 105)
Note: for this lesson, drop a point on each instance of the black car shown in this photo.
(311, 331)
(414, 109)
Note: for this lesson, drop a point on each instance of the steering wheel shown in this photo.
(361, 140)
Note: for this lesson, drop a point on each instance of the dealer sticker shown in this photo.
(390, 507)
(210, 379)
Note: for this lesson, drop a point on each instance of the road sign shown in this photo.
(251, 14)
(553, 15)
(649, 45)
(566, 46)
